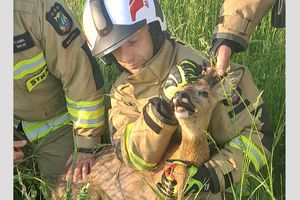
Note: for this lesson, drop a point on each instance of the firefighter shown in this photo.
(58, 100)
(236, 23)
(134, 36)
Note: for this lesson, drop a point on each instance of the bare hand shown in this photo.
(82, 168)
(18, 153)
(223, 54)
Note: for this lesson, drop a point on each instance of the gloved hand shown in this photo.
(185, 72)
(168, 185)
(198, 180)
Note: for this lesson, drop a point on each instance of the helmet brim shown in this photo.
(119, 35)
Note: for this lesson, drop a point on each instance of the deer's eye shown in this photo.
(203, 93)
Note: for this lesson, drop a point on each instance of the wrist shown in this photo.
(87, 142)
(86, 150)
(233, 45)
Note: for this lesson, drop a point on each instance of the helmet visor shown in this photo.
(119, 35)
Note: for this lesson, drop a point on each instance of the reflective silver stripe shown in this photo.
(28, 66)
(50, 125)
(87, 121)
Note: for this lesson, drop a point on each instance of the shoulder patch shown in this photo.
(22, 42)
(70, 37)
(59, 19)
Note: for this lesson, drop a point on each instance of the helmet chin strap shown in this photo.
(157, 36)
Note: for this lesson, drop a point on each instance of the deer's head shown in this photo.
(199, 99)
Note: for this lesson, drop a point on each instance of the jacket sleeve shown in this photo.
(242, 129)
(69, 60)
(237, 22)
(139, 138)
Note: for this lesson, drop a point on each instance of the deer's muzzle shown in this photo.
(182, 102)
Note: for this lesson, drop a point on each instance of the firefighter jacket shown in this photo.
(56, 79)
(140, 134)
(238, 19)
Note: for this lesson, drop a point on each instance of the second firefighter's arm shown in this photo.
(237, 21)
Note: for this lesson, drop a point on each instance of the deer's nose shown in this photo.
(182, 95)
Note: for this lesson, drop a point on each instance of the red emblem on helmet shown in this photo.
(136, 5)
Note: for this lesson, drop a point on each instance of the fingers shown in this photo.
(168, 185)
(18, 153)
(81, 171)
(77, 176)
(85, 170)
(69, 174)
(69, 161)
(19, 143)
(82, 168)
(73, 174)
(18, 156)
(211, 72)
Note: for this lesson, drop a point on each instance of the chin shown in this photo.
(184, 114)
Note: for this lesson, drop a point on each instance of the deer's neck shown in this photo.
(194, 145)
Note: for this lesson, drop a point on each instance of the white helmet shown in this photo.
(109, 23)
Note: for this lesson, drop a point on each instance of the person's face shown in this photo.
(136, 51)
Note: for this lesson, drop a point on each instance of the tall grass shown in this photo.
(192, 21)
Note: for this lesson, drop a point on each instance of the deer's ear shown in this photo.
(228, 84)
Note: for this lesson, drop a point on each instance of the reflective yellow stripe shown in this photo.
(85, 103)
(138, 162)
(87, 114)
(28, 66)
(37, 130)
(251, 150)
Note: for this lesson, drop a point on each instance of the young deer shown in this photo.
(194, 103)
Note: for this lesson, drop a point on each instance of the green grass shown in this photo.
(192, 21)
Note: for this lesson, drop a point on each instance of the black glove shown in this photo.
(185, 72)
(181, 74)
(199, 180)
